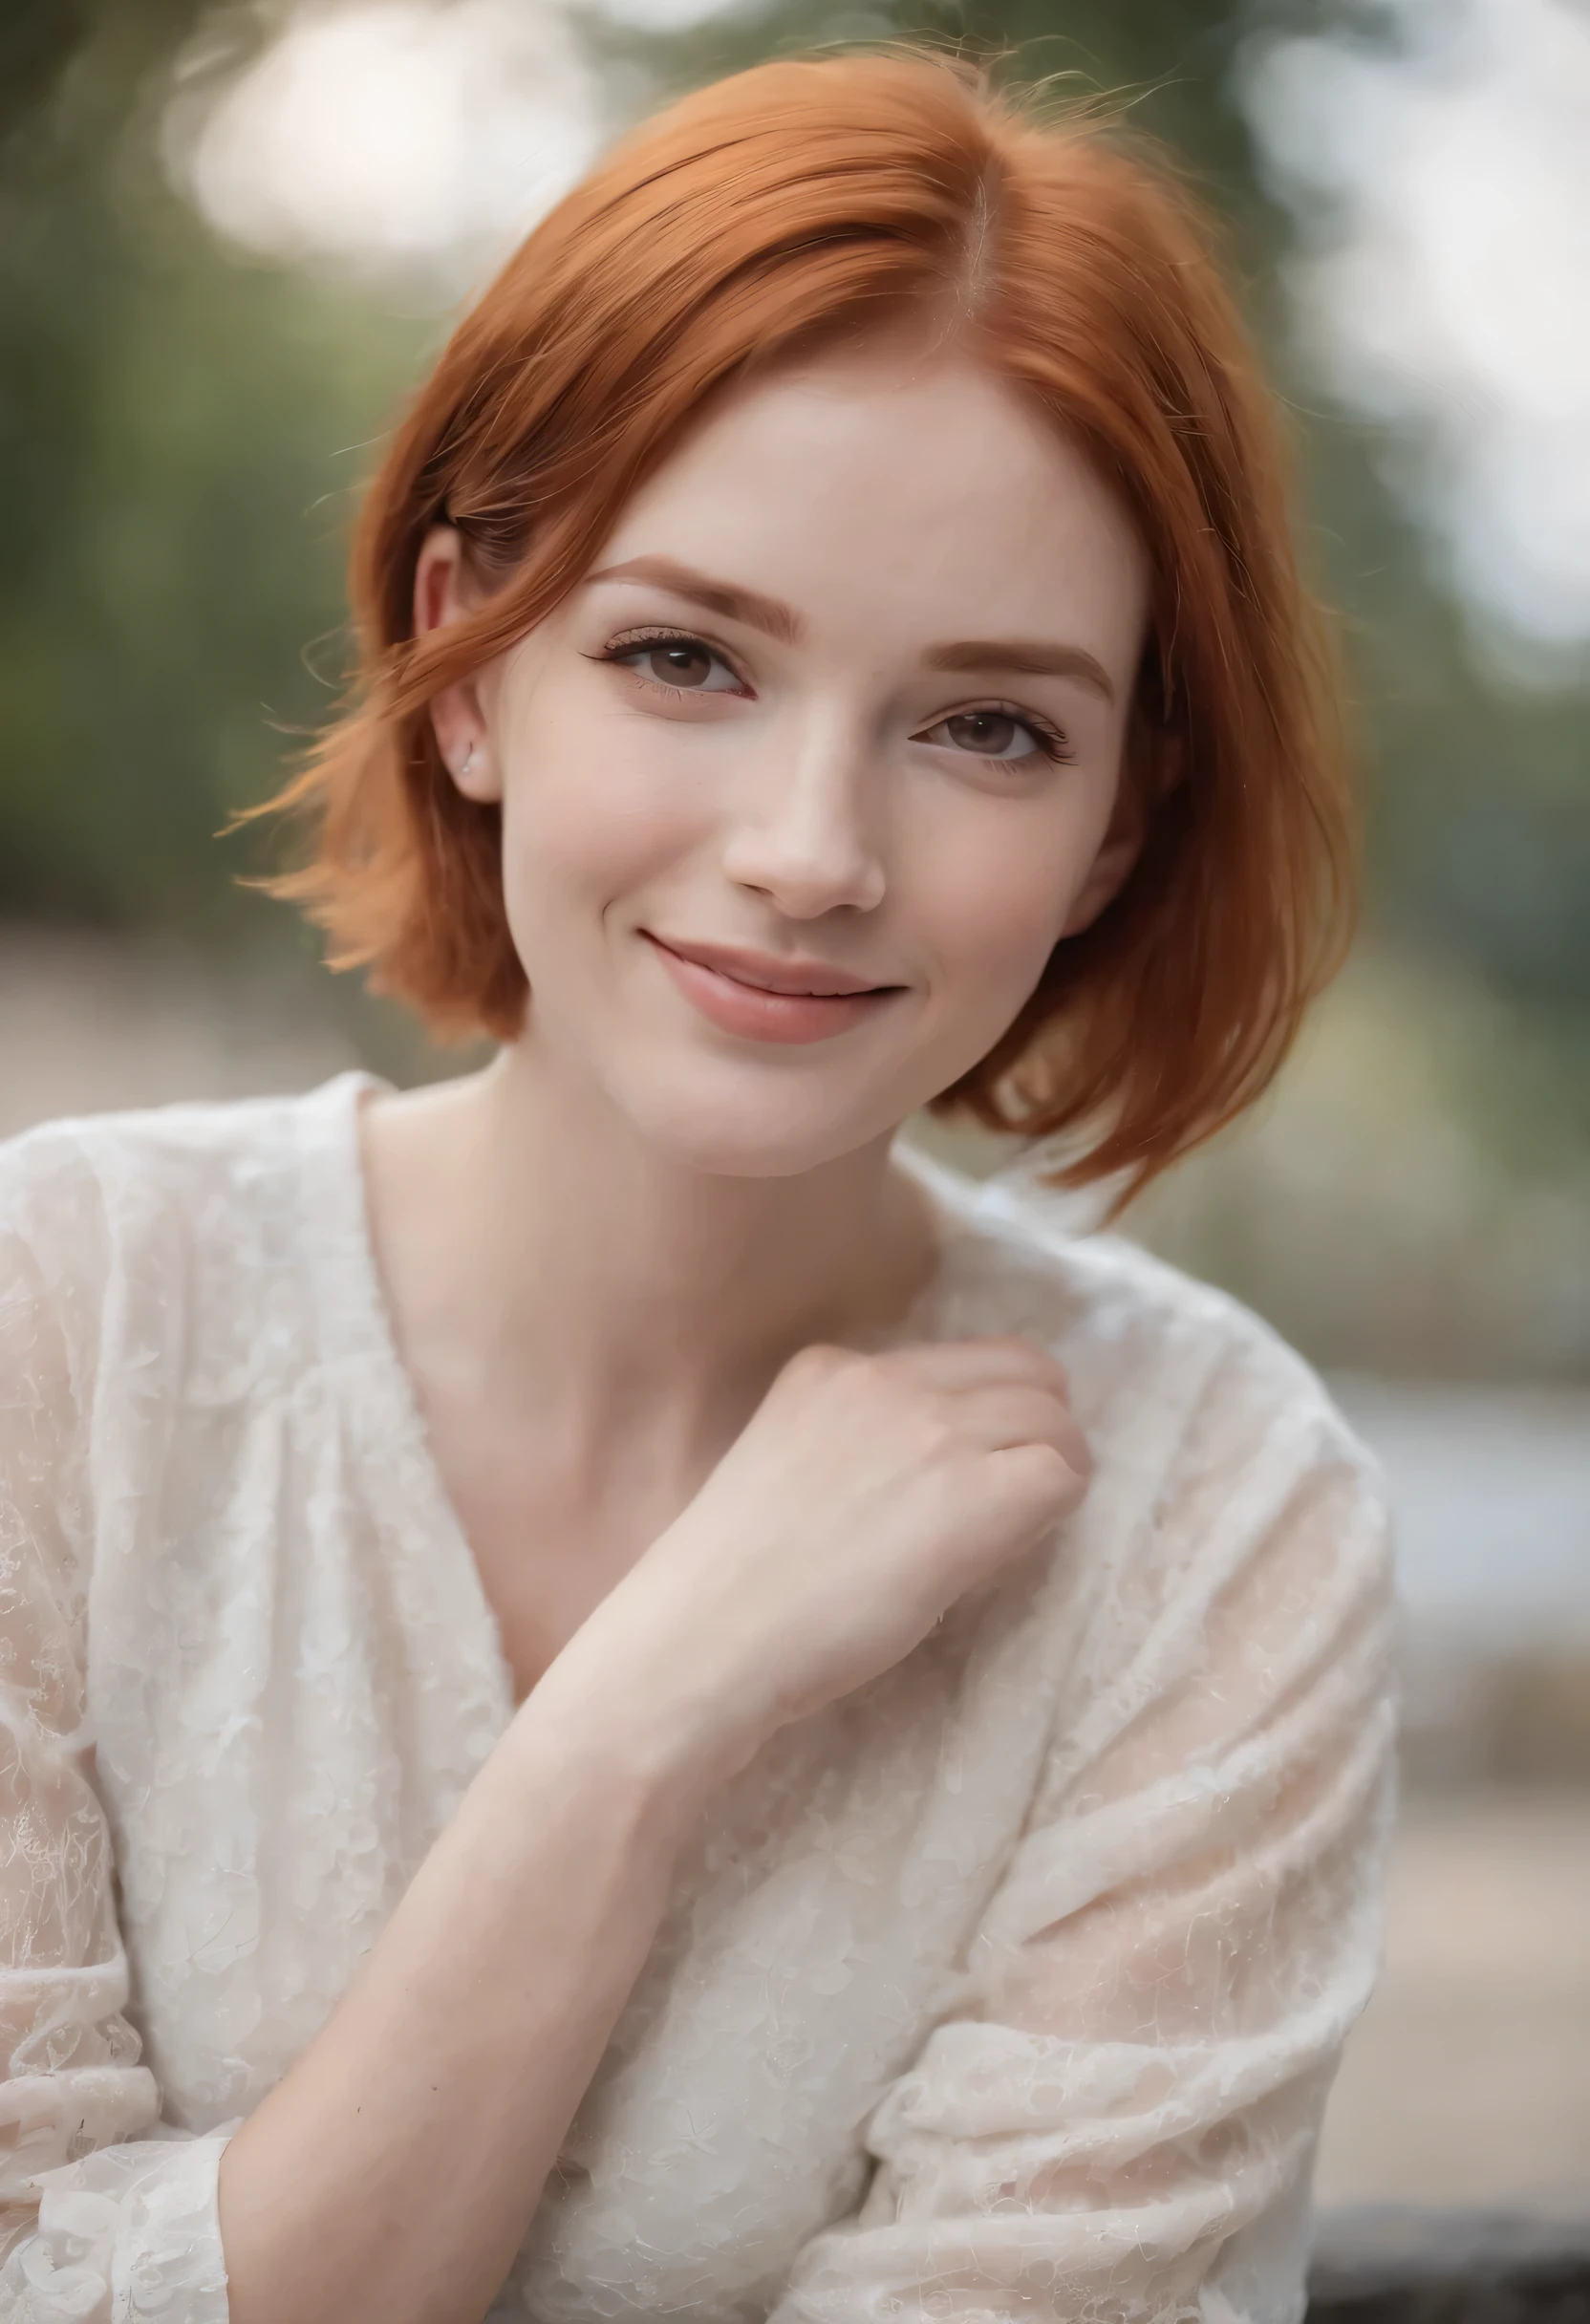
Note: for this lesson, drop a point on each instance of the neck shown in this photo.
(529, 1237)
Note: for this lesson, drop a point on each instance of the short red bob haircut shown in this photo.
(802, 202)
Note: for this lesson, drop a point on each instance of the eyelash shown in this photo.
(632, 641)
(1052, 744)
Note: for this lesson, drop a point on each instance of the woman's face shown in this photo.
(802, 785)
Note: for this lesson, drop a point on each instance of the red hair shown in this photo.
(794, 204)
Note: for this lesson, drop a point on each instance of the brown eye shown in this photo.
(993, 733)
(681, 663)
(990, 731)
(678, 665)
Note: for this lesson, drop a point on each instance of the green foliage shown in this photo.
(36, 38)
(180, 438)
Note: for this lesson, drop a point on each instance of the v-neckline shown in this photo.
(354, 1325)
(355, 1329)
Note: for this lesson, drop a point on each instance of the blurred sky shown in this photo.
(1441, 189)
(1438, 169)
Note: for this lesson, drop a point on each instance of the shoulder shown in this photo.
(168, 1234)
(75, 1191)
(1180, 1385)
(1233, 1555)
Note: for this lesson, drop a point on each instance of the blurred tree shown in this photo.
(36, 40)
(179, 434)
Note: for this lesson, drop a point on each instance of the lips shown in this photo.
(764, 999)
(765, 973)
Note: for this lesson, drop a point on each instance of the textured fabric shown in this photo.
(1009, 1985)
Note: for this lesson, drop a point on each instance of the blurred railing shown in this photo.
(1384, 2264)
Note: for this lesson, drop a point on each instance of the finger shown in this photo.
(967, 1364)
(1042, 1482)
(1002, 1417)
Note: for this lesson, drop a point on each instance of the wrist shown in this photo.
(620, 1728)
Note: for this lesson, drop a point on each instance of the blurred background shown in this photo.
(231, 236)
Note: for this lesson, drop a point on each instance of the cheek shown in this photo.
(994, 911)
(588, 812)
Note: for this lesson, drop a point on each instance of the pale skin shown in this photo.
(845, 699)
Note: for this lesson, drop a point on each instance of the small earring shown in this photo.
(468, 761)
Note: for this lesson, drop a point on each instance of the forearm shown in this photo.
(392, 2173)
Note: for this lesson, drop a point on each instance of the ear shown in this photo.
(1151, 770)
(442, 594)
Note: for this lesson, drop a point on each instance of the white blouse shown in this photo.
(1011, 1985)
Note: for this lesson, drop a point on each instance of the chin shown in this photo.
(749, 1131)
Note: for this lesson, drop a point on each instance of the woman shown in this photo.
(629, 1740)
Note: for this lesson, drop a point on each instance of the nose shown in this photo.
(800, 836)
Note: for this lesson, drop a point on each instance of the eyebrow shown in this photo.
(1031, 657)
(725, 597)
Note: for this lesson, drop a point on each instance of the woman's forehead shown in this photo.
(901, 493)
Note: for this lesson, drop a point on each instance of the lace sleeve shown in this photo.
(91, 2228)
(1122, 2129)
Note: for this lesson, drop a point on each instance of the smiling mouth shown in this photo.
(756, 997)
(795, 980)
